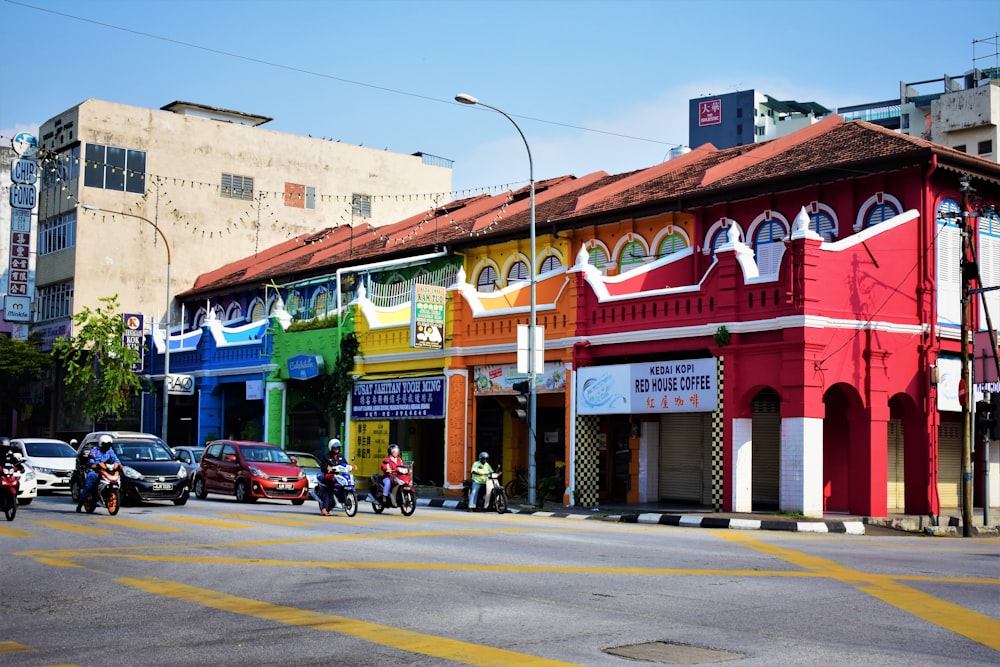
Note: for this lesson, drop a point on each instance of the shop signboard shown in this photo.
(654, 387)
(427, 327)
(410, 398)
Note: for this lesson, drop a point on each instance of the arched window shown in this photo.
(295, 303)
(487, 280)
(199, 318)
(768, 232)
(257, 310)
(597, 256)
(550, 263)
(219, 312)
(633, 255)
(517, 271)
(719, 238)
(949, 271)
(823, 221)
(989, 268)
(877, 208)
(670, 244)
(234, 313)
(320, 300)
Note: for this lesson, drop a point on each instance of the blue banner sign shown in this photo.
(412, 398)
(304, 366)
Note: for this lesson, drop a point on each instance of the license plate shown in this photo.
(163, 487)
(285, 487)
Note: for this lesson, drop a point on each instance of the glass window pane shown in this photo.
(114, 173)
(94, 174)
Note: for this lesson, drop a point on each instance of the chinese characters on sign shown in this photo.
(652, 387)
(427, 328)
(135, 336)
(23, 196)
(709, 112)
(398, 399)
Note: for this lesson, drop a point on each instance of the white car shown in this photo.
(52, 461)
(27, 489)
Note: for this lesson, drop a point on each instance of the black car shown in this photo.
(151, 471)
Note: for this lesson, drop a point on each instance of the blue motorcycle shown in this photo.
(344, 495)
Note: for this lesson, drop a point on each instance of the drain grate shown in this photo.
(671, 653)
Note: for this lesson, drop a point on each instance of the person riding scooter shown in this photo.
(326, 476)
(480, 471)
(98, 455)
(389, 465)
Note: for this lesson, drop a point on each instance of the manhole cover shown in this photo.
(672, 654)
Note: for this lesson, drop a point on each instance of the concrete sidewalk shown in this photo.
(666, 514)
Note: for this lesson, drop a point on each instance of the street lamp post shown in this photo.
(166, 313)
(532, 370)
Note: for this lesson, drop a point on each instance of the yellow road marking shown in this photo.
(962, 621)
(140, 525)
(212, 523)
(74, 527)
(261, 518)
(13, 647)
(7, 531)
(411, 642)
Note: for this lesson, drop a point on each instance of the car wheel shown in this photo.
(242, 492)
(199, 489)
(182, 500)
(298, 501)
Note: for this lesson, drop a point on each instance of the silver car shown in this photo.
(189, 457)
(52, 460)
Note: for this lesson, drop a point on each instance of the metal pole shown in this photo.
(532, 324)
(166, 313)
(969, 406)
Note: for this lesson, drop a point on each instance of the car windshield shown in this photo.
(258, 454)
(142, 450)
(306, 460)
(50, 450)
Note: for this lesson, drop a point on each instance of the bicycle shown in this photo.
(518, 486)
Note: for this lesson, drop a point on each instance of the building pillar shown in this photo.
(742, 465)
(458, 428)
(801, 487)
(275, 399)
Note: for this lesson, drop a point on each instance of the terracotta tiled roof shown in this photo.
(830, 146)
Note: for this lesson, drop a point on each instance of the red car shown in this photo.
(250, 470)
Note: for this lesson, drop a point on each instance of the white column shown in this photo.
(801, 485)
(742, 465)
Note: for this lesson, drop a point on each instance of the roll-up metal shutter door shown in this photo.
(766, 463)
(949, 464)
(681, 457)
(895, 496)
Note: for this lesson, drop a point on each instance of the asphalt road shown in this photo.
(219, 583)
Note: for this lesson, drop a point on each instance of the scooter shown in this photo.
(10, 485)
(493, 496)
(108, 490)
(401, 492)
(344, 495)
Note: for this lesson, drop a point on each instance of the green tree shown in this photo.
(21, 361)
(97, 363)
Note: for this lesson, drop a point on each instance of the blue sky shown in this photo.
(594, 85)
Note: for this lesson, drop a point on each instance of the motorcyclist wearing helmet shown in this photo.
(102, 453)
(480, 470)
(389, 465)
(7, 451)
(326, 476)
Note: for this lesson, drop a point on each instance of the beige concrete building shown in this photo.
(214, 184)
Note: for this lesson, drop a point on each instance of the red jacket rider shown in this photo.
(389, 465)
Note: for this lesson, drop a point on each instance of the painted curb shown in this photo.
(683, 520)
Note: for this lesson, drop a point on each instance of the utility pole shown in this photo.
(968, 272)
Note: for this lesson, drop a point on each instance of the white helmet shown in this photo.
(104, 442)
(333, 444)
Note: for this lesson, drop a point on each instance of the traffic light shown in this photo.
(988, 417)
(995, 416)
(521, 400)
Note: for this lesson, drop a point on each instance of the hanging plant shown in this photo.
(721, 336)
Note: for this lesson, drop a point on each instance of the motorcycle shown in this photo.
(344, 495)
(10, 485)
(401, 493)
(493, 496)
(107, 492)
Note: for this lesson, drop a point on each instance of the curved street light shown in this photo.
(465, 98)
(166, 313)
